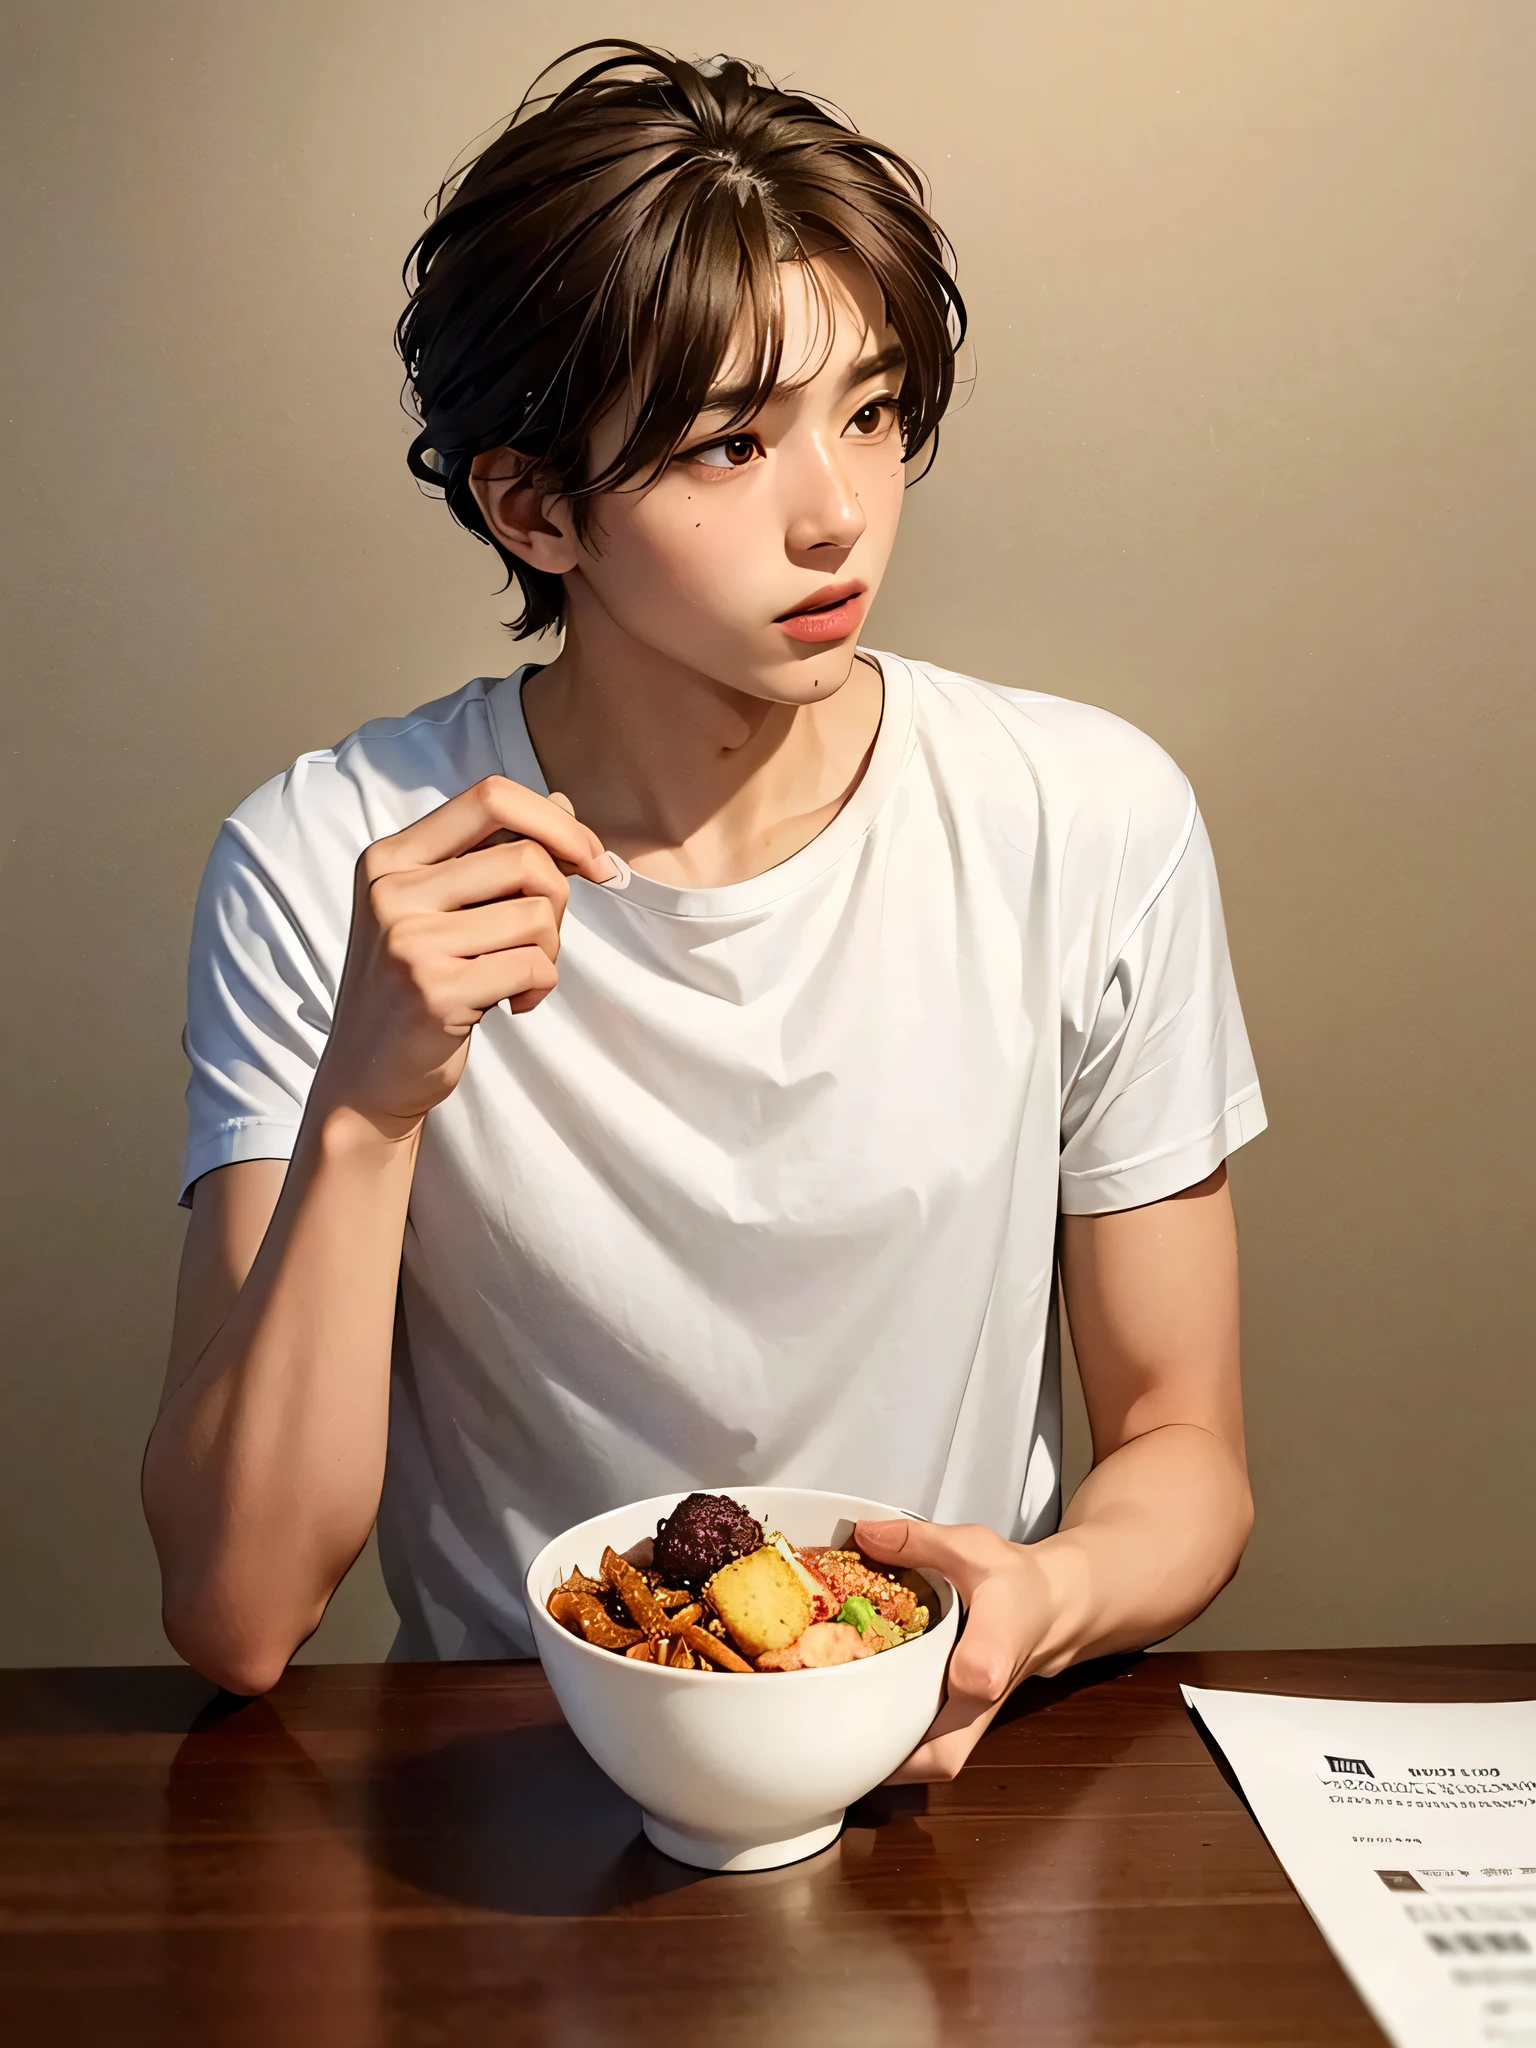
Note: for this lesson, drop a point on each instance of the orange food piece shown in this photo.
(711, 1648)
(585, 1616)
(847, 1573)
(649, 1615)
(823, 1643)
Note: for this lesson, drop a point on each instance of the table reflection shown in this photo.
(524, 1826)
(269, 1900)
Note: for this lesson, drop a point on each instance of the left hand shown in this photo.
(1009, 1608)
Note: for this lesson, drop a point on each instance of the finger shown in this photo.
(984, 1667)
(520, 978)
(488, 928)
(558, 796)
(496, 804)
(501, 837)
(962, 1551)
(1001, 1629)
(956, 1729)
(491, 874)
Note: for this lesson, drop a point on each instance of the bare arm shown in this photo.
(1160, 1523)
(263, 1471)
(1158, 1526)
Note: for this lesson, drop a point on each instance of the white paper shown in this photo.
(1410, 1832)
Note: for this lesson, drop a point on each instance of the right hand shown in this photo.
(455, 914)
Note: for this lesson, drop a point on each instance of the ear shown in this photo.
(528, 521)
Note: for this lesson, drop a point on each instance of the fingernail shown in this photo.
(618, 878)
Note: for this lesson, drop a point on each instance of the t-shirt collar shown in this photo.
(892, 745)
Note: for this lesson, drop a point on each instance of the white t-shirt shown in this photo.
(766, 1192)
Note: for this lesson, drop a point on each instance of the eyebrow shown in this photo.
(731, 398)
(892, 358)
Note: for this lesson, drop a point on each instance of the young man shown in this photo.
(880, 992)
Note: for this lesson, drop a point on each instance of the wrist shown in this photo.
(342, 1134)
(1067, 1585)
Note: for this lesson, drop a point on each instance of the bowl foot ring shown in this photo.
(712, 1852)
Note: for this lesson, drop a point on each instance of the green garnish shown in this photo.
(856, 1610)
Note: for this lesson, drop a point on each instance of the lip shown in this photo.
(831, 613)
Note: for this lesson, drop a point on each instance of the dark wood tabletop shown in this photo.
(414, 1854)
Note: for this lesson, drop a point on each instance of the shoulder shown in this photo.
(1096, 780)
(329, 804)
(280, 873)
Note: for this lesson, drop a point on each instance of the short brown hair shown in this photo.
(612, 237)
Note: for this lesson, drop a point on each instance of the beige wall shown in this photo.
(1247, 459)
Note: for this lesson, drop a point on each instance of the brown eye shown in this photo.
(869, 419)
(735, 452)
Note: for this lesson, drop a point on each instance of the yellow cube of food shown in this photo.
(760, 1600)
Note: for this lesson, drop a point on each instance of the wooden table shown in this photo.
(417, 1854)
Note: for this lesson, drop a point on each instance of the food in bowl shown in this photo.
(728, 1776)
(702, 1533)
(744, 1600)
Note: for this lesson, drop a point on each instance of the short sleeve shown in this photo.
(269, 936)
(261, 987)
(1164, 1088)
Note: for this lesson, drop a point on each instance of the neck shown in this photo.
(693, 782)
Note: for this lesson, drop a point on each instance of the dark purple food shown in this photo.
(701, 1534)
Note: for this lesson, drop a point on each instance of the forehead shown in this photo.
(834, 314)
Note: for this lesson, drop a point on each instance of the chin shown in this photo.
(815, 675)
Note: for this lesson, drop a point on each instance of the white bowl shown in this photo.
(734, 1772)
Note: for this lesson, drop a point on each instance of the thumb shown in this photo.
(961, 1551)
(602, 867)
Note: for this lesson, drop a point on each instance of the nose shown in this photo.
(825, 516)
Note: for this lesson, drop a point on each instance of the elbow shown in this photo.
(228, 1626)
(246, 1668)
(240, 1660)
(1239, 1529)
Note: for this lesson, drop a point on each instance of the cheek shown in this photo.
(884, 493)
(681, 542)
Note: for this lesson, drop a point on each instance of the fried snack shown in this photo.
(648, 1613)
(824, 1602)
(761, 1601)
(713, 1650)
(776, 1607)
(585, 1615)
(881, 1634)
(926, 1598)
(846, 1572)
